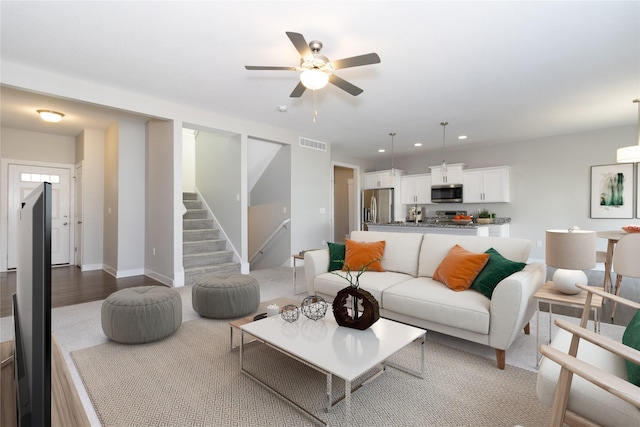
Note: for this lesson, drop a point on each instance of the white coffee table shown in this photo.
(342, 352)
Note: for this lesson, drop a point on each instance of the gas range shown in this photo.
(446, 217)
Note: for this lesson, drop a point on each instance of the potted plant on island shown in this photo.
(364, 309)
(484, 217)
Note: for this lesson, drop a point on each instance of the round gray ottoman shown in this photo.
(142, 314)
(225, 297)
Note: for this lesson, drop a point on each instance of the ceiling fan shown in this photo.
(316, 69)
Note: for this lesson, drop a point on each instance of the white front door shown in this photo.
(22, 180)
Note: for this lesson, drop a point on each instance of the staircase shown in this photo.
(203, 251)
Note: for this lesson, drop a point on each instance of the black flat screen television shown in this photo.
(32, 310)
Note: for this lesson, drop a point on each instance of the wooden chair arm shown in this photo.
(609, 382)
(612, 297)
(606, 343)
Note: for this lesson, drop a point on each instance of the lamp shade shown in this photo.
(571, 249)
(314, 78)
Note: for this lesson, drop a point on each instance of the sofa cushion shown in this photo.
(497, 269)
(459, 268)
(401, 250)
(631, 338)
(427, 299)
(435, 247)
(336, 256)
(359, 255)
(330, 283)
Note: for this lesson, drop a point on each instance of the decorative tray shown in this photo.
(631, 228)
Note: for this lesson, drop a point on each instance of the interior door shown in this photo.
(78, 211)
(22, 180)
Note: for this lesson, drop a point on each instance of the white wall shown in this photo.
(91, 149)
(161, 262)
(188, 162)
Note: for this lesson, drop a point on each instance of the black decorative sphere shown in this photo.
(314, 307)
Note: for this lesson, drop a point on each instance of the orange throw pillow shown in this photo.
(359, 254)
(460, 268)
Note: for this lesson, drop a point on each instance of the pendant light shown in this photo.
(392, 173)
(631, 154)
(444, 162)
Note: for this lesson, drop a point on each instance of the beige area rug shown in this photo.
(192, 379)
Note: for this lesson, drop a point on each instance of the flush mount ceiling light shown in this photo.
(631, 154)
(50, 116)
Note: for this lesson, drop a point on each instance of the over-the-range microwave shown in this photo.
(446, 193)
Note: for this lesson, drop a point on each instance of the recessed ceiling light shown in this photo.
(418, 144)
(462, 137)
(381, 150)
(50, 116)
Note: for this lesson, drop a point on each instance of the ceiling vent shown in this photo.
(310, 143)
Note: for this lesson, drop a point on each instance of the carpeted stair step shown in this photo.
(189, 196)
(195, 214)
(203, 246)
(192, 204)
(199, 235)
(197, 224)
(207, 258)
(191, 275)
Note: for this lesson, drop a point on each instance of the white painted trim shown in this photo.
(162, 278)
(91, 267)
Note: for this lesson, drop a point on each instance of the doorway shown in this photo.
(345, 201)
(23, 179)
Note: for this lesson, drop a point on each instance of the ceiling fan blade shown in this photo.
(257, 67)
(345, 85)
(300, 43)
(356, 61)
(298, 91)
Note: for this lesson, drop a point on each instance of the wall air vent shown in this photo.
(310, 143)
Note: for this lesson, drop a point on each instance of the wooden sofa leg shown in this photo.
(501, 356)
(527, 329)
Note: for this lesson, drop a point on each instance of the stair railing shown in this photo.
(273, 235)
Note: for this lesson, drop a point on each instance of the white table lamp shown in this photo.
(570, 252)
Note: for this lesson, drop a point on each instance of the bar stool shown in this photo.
(626, 261)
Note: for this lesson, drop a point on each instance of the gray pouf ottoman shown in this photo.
(225, 297)
(142, 314)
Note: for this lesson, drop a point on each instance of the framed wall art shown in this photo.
(612, 191)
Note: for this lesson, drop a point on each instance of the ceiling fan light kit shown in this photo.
(631, 154)
(314, 79)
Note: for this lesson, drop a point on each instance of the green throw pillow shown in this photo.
(631, 338)
(336, 256)
(496, 269)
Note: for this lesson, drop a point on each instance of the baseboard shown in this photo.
(91, 267)
(162, 278)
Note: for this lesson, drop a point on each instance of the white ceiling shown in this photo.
(496, 71)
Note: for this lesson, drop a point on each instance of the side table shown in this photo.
(552, 296)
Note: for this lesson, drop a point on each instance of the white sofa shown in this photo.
(407, 293)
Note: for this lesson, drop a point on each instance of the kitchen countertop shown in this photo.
(431, 224)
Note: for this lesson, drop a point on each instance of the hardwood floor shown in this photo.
(71, 286)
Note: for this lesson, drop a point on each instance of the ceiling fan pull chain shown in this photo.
(315, 106)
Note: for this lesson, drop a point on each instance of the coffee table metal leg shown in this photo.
(347, 399)
(419, 374)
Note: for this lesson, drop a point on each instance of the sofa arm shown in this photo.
(512, 304)
(315, 263)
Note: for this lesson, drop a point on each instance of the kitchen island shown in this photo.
(500, 228)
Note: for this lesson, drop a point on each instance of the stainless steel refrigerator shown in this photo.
(377, 206)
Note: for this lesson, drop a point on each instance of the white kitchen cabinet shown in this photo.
(499, 230)
(382, 179)
(486, 185)
(453, 176)
(416, 189)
